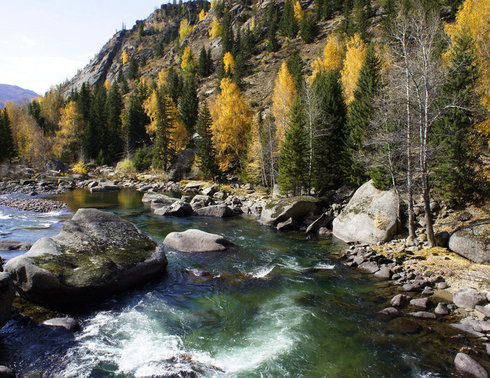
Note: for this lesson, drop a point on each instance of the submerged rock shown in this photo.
(7, 294)
(467, 365)
(96, 254)
(14, 245)
(371, 216)
(472, 242)
(193, 240)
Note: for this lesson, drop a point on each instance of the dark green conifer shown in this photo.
(227, 37)
(359, 116)
(189, 105)
(163, 151)
(288, 26)
(7, 146)
(113, 132)
(292, 160)
(329, 138)
(206, 153)
(97, 122)
(204, 64)
(175, 84)
(137, 120)
(133, 69)
(308, 29)
(456, 160)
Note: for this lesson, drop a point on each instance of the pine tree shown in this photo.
(175, 84)
(308, 29)
(137, 120)
(203, 69)
(296, 66)
(112, 135)
(205, 150)
(360, 110)
(227, 37)
(133, 69)
(329, 139)
(189, 104)
(288, 26)
(455, 173)
(292, 161)
(272, 26)
(93, 145)
(7, 147)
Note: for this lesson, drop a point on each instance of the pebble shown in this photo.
(441, 309)
(422, 315)
(419, 303)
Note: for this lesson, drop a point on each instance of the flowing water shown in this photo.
(279, 305)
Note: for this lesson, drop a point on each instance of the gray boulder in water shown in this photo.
(196, 241)
(281, 210)
(96, 254)
(7, 294)
(371, 216)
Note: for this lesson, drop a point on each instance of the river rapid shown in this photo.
(279, 305)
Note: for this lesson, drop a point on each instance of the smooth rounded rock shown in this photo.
(441, 309)
(69, 324)
(193, 240)
(467, 365)
(6, 372)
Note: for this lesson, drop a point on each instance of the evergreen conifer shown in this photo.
(206, 153)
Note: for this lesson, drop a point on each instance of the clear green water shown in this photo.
(265, 314)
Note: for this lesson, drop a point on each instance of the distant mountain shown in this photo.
(16, 94)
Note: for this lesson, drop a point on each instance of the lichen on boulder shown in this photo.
(96, 254)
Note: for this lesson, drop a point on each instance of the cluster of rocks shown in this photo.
(39, 205)
(208, 202)
(30, 187)
(417, 299)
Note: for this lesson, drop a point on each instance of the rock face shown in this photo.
(369, 217)
(196, 241)
(7, 294)
(281, 210)
(472, 242)
(96, 254)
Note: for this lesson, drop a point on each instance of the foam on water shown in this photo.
(263, 272)
(325, 266)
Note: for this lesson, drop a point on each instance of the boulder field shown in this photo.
(96, 254)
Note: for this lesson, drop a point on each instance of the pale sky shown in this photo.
(45, 42)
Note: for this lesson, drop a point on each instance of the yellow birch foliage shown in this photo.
(188, 62)
(125, 57)
(215, 30)
(254, 154)
(27, 135)
(162, 77)
(333, 56)
(232, 119)
(68, 137)
(185, 29)
(285, 93)
(298, 12)
(202, 14)
(151, 109)
(473, 17)
(354, 58)
(180, 136)
(213, 3)
(229, 62)
(107, 85)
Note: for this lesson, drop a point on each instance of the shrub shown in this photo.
(80, 168)
(125, 166)
(381, 178)
(142, 160)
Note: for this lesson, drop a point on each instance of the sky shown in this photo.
(45, 42)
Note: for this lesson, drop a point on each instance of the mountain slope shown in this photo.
(14, 93)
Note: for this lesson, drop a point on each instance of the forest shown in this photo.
(400, 95)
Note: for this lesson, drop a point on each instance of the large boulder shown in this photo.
(196, 241)
(152, 197)
(472, 242)
(200, 201)
(281, 210)
(7, 294)
(177, 209)
(371, 216)
(182, 165)
(95, 254)
(467, 365)
(468, 298)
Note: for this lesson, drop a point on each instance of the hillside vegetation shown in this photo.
(309, 95)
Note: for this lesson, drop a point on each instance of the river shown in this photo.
(279, 305)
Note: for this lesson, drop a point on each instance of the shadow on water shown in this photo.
(279, 305)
